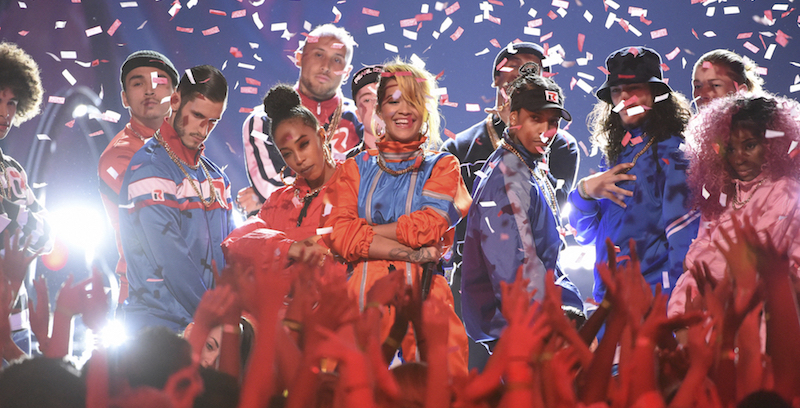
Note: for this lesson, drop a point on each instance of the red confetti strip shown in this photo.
(251, 81)
(408, 22)
(239, 13)
(248, 90)
(552, 15)
(23, 33)
(494, 42)
(160, 80)
(624, 25)
(235, 52)
(494, 20)
(546, 46)
(666, 161)
(572, 83)
(114, 27)
(457, 34)
(98, 133)
(217, 12)
(604, 70)
(768, 14)
(664, 67)
(545, 38)
(644, 20)
(440, 75)
(742, 36)
(762, 41)
(716, 148)
(185, 30)
(95, 63)
(782, 38)
(245, 110)
(658, 33)
(56, 99)
(786, 13)
(70, 124)
(695, 34)
(581, 39)
(535, 23)
(496, 2)
(210, 31)
(424, 17)
(674, 53)
(452, 9)
(449, 133)
(626, 139)
(370, 12)
(634, 51)
(751, 47)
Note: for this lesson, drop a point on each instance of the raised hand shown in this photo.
(70, 298)
(387, 290)
(95, 305)
(184, 386)
(40, 316)
(604, 184)
(435, 322)
(15, 260)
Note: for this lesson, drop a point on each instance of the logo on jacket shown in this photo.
(551, 96)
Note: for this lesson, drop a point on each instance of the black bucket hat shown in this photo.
(633, 65)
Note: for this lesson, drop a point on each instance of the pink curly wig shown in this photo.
(709, 133)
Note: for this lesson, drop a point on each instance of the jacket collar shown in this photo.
(170, 137)
(322, 110)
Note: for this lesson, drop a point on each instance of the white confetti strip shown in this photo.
(586, 76)
(93, 31)
(246, 66)
(731, 10)
(619, 106)
(710, 11)
(390, 47)
(723, 199)
(60, 24)
(486, 204)
(258, 23)
(532, 31)
(445, 24)
(660, 98)
(128, 4)
(780, 7)
(612, 4)
(112, 172)
(69, 54)
(42, 136)
(636, 110)
(69, 77)
(532, 13)
(585, 86)
(588, 16)
(705, 193)
(324, 231)
(792, 146)
(490, 225)
(481, 52)
(665, 280)
(378, 28)
(277, 27)
(611, 19)
(770, 51)
(411, 35)
(773, 133)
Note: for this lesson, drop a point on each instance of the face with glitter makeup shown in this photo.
(302, 149)
(194, 120)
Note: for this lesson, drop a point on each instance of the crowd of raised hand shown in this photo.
(313, 347)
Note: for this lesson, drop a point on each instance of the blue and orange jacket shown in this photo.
(425, 203)
(168, 236)
(510, 225)
(656, 217)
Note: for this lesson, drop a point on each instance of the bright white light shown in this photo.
(577, 257)
(81, 226)
(114, 334)
(238, 219)
(565, 210)
(79, 111)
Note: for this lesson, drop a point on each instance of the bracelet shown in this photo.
(293, 325)
(234, 328)
(394, 344)
(582, 191)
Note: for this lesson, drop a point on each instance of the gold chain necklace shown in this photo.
(382, 165)
(180, 163)
(736, 204)
(635, 158)
(540, 177)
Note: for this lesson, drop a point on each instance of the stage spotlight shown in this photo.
(80, 111)
(577, 257)
(79, 226)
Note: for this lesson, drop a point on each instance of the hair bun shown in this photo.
(280, 100)
(530, 68)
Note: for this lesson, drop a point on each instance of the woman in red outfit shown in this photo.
(296, 209)
(394, 207)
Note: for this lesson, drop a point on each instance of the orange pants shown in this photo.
(364, 276)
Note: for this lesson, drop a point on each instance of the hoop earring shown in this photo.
(283, 180)
(427, 128)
